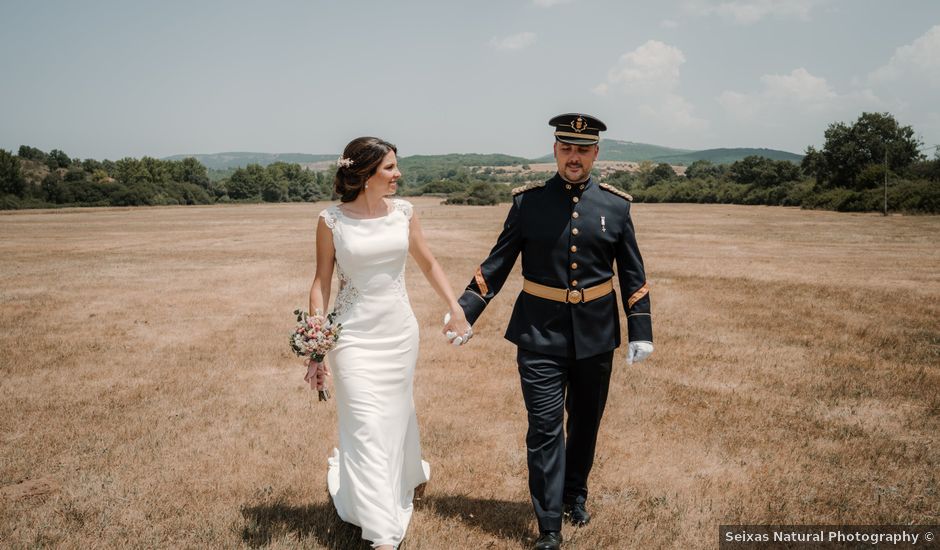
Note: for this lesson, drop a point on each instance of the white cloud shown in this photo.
(798, 90)
(550, 3)
(675, 112)
(649, 75)
(919, 60)
(652, 67)
(911, 81)
(742, 106)
(798, 85)
(798, 95)
(747, 12)
(514, 42)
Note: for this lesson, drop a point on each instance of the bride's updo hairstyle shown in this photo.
(360, 160)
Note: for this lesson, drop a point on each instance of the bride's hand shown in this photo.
(316, 374)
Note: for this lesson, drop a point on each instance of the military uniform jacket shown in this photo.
(570, 236)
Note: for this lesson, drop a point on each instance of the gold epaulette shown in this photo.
(528, 187)
(615, 191)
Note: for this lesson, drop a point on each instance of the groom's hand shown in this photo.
(456, 328)
(638, 351)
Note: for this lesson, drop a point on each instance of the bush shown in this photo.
(140, 194)
(873, 177)
(9, 202)
(482, 194)
(797, 192)
(95, 193)
(831, 199)
(917, 197)
(274, 191)
(445, 186)
(12, 202)
(188, 193)
(922, 197)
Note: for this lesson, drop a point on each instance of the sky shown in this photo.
(110, 79)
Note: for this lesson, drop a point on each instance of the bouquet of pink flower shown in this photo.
(313, 337)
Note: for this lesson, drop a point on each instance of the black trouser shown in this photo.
(558, 474)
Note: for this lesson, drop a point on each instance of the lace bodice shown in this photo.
(370, 255)
(332, 213)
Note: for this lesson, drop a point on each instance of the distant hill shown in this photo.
(230, 161)
(463, 159)
(727, 156)
(612, 149)
(225, 161)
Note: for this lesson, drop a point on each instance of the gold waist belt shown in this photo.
(569, 295)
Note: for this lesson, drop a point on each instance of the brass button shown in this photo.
(575, 215)
(575, 199)
(567, 186)
(574, 265)
(581, 187)
(574, 248)
(574, 282)
(574, 231)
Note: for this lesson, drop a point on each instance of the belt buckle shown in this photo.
(574, 297)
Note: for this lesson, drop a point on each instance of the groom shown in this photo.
(570, 231)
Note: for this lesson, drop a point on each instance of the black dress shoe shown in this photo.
(548, 540)
(577, 514)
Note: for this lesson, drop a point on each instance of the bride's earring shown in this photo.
(367, 186)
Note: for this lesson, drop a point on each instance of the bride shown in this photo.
(374, 472)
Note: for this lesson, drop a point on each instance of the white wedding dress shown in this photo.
(373, 473)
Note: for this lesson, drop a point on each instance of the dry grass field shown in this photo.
(149, 398)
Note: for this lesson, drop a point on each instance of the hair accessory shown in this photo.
(344, 162)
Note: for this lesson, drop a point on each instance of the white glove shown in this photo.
(638, 351)
(453, 337)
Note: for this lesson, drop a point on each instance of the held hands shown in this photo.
(638, 351)
(456, 328)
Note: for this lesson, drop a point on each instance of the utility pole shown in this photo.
(886, 182)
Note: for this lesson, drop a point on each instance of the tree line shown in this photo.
(33, 178)
(847, 174)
